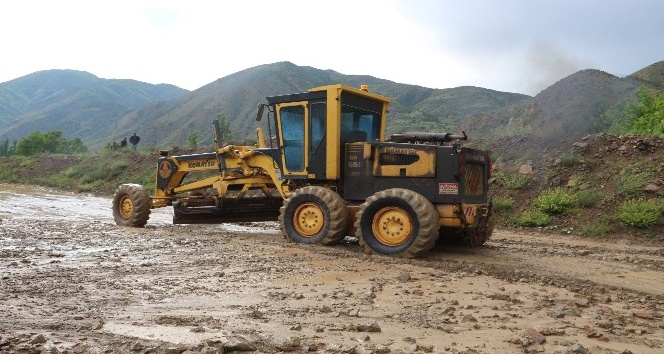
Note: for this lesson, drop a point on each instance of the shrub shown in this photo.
(631, 183)
(589, 197)
(570, 160)
(599, 228)
(649, 115)
(532, 219)
(515, 182)
(502, 204)
(554, 201)
(50, 142)
(640, 213)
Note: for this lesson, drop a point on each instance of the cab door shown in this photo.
(317, 139)
(293, 123)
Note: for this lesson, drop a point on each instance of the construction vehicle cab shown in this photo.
(327, 171)
(312, 128)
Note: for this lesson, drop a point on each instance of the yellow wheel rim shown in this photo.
(126, 207)
(308, 219)
(392, 226)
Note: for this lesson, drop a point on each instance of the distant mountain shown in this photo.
(100, 111)
(652, 74)
(75, 102)
(571, 107)
(236, 96)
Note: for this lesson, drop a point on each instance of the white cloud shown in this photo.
(430, 43)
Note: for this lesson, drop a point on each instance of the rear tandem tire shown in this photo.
(314, 214)
(397, 222)
(131, 205)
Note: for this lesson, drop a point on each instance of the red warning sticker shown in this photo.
(448, 188)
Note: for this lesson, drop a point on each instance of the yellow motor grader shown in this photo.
(327, 173)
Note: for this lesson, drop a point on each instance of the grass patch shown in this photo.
(601, 227)
(9, 170)
(640, 213)
(589, 198)
(503, 204)
(515, 182)
(533, 218)
(570, 160)
(554, 201)
(630, 184)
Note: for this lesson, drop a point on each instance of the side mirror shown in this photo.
(261, 107)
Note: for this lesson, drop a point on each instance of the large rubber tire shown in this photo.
(314, 214)
(397, 222)
(131, 205)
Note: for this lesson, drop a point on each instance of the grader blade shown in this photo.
(231, 210)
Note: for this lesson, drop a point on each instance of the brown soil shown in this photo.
(73, 282)
(599, 162)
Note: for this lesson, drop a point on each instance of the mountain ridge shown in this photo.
(102, 110)
(75, 102)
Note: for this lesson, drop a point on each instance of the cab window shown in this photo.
(292, 125)
(317, 111)
(358, 124)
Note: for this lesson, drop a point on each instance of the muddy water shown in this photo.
(69, 273)
(37, 203)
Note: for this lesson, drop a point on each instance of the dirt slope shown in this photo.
(603, 163)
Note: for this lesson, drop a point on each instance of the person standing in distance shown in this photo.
(133, 140)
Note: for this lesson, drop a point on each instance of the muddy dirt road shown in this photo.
(71, 281)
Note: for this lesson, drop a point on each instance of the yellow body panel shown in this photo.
(451, 215)
(423, 162)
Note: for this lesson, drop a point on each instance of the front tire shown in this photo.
(397, 222)
(131, 205)
(314, 214)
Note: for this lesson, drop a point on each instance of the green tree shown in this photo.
(4, 148)
(649, 115)
(49, 142)
(37, 143)
(615, 119)
(192, 139)
(76, 146)
(225, 129)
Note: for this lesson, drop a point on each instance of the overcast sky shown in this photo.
(507, 45)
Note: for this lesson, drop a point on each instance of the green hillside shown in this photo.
(100, 111)
(570, 108)
(652, 74)
(236, 96)
(74, 102)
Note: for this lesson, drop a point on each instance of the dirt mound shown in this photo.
(614, 168)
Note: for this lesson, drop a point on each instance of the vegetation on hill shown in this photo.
(599, 186)
(42, 143)
(583, 180)
(74, 102)
(652, 75)
(648, 117)
(79, 110)
(572, 107)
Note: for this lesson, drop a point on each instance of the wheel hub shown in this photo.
(392, 226)
(126, 207)
(308, 219)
